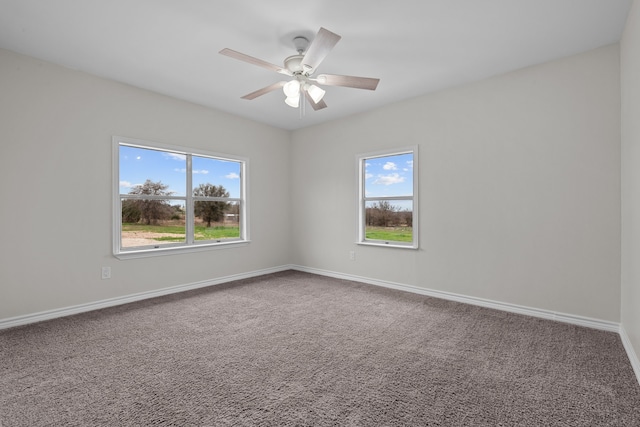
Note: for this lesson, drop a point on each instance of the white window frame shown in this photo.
(191, 245)
(363, 199)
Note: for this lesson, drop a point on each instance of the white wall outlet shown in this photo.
(352, 255)
(106, 273)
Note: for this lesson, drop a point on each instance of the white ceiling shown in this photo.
(413, 46)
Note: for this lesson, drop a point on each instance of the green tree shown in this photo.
(177, 212)
(152, 211)
(130, 212)
(407, 216)
(381, 213)
(210, 211)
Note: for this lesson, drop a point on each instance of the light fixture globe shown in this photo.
(291, 89)
(314, 92)
(292, 101)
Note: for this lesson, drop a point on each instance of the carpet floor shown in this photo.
(296, 349)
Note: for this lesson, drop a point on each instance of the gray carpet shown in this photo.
(295, 349)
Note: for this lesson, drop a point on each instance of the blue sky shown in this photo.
(139, 164)
(384, 176)
(389, 176)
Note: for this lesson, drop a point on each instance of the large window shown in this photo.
(174, 199)
(388, 198)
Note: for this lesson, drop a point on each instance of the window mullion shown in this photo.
(189, 208)
(374, 199)
(242, 206)
(361, 200)
(149, 197)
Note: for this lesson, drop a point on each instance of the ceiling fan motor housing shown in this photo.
(294, 64)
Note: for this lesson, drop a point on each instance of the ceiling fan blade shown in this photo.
(348, 81)
(255, 61)
(320, 46)
(264, 90)
(315, 105)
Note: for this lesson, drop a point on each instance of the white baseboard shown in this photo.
(545, 314)
(633, 357)
(512, 308)
(67, 311)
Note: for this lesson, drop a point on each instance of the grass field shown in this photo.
(391, 234)
(176, 233)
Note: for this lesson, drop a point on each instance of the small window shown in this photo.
(170, 199)
(387, 200)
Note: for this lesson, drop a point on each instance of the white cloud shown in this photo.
(138, 157)
(368, 175)
(390, 166)
(393, 178)
(195, 171)
(410, 163)
(232, 175)
(174, 156)
(126, 184)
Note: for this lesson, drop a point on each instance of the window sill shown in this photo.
(148, 253)
(387, 245)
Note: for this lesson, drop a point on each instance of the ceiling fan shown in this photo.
(301, 67)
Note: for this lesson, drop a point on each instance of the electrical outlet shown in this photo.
(106, 272)
(352, 255)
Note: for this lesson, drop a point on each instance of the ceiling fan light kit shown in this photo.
(301, 67)
(292, 101)
(292, 88)
(314, 92)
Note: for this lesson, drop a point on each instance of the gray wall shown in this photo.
(630, 65)
(55, 182)
(519, 188)
(519, 182)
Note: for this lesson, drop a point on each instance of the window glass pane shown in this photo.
(216, 220)
(389, 176)
(223, 174)
(152, 223)
(142, 165)
(389, 220)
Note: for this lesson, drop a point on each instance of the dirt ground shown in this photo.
(140, 238)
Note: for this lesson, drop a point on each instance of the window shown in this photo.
(388, 198)
(171, 199)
